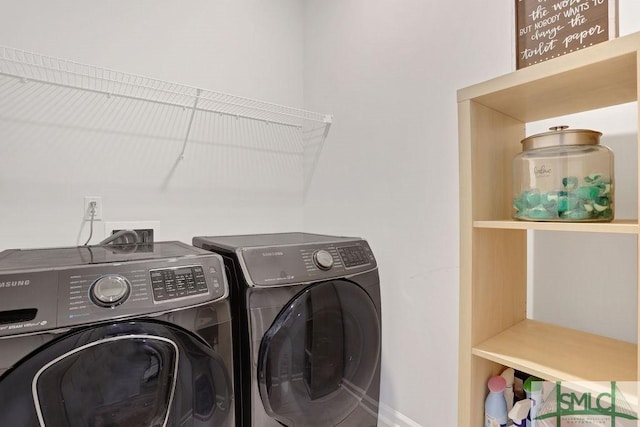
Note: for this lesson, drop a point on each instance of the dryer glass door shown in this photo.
(320, 355)
(123, 374)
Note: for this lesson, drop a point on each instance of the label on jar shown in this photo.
(541, 171)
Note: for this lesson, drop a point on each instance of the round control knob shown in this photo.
(323, 260)
(109, 291)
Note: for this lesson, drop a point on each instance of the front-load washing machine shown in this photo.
(121, 336)
(306, 312)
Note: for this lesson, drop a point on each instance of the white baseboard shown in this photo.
(389, 417)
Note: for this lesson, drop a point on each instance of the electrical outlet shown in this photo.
(97, 208)
(148, 231)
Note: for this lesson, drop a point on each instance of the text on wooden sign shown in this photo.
(549, 28)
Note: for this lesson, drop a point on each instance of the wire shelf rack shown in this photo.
(36, 88)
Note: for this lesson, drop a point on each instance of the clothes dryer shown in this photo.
(306, 312)
(122, 336)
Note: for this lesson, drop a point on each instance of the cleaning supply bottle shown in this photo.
(520, 411)
(509, 375)
(495, 406)
(533, 389)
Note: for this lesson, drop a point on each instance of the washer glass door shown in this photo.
(124, 374)
(319, 356)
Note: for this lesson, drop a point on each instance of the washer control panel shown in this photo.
(32, 301)
(138, 288)
(302, 263)
(178, 282)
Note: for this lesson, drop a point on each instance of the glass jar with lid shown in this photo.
(563, 175)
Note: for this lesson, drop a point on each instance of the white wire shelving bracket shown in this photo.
(19, 66)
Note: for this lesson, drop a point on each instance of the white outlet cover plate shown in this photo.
(133, 225)
(87, 202)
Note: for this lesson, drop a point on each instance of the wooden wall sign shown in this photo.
(546, 29)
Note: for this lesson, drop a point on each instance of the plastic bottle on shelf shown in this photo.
(509, 376)
(533, 389)
(495, 406)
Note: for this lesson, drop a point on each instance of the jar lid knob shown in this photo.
(557, 128)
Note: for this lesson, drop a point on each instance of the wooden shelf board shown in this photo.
(556, 353)
(598, 76)
(623, 226)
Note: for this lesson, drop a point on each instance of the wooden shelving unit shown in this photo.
(494, 330)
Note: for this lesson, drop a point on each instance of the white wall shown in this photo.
(389, 72)
(250, 48)
(587, 281)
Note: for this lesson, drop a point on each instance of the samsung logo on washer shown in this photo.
(15, 283)
(272, 253)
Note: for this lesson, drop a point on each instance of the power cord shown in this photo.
(92, 212)
(123, 241)
(122, 237)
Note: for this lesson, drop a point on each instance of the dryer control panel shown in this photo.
(304, 263)
(33, 301)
